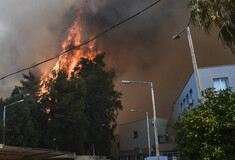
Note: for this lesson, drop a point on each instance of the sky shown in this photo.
(140, 49)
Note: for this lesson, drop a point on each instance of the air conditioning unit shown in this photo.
(191, 101)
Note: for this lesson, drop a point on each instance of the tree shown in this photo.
(74, 114)
(63, 107)
(24, 120)
(102, 102)
(208, 132)
(31, 85)
(81, 111)
(220, 13)
(20, 120)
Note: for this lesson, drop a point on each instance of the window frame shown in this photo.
(135, 134)
(220, 83)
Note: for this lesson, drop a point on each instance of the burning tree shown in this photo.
(80, 96)
(72, 108)
(74, 114)
(63, 107)
(102, 102)
(81, 110)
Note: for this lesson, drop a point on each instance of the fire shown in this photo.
(70, 59)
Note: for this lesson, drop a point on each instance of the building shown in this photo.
(132, 138)
(218, 77)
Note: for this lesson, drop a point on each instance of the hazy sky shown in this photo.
(141, 49)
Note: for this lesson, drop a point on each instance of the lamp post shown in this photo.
(154, 112)
(193, 58)
(147, 121)
(4, 119)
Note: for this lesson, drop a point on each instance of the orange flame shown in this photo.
(70, 59)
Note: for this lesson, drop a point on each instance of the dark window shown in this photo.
(184, 105)
(118, 145)
(187, 101)
(163, 139)
(135, 134)
(191, 97)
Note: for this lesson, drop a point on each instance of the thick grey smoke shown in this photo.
(31, 31)
(140, 49)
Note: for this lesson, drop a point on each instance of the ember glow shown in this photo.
(70, 59)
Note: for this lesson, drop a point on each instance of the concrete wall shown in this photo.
(127, 142)
(190, 85)
(209, 73)
(206, 75)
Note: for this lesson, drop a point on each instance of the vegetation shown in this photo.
(21, 122)
(63, 107)
(219, 13)
(73, 115)
(208, 132)
(102, 102)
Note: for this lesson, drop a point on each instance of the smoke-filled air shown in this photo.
(140, 49)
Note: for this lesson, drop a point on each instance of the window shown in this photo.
(161, 139)
(187, 101)
(220, 83)
(118, 145)
(184, 104)
(135, 134)
(181, 107)
(191, 97)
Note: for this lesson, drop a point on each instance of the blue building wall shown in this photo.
(207, 76)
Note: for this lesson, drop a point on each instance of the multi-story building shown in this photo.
(132, 138)
(218, 77)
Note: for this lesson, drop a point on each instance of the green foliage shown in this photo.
(83, 108)
(208, 132)
(22, 119)
(63, 106)
(102, 102)
(220, 13)
(74, 114)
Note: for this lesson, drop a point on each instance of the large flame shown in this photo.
(70, 59)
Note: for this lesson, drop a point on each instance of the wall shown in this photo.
(190, 85)
(127, 142)
(206, 75)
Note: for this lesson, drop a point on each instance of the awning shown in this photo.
(20, 153)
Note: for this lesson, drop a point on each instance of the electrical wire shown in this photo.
(84, 43)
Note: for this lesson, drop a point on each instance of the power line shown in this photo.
(84, 43)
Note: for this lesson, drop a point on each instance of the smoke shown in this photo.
(31, 31)
(141, 49)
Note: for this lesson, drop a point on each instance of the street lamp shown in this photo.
(4, 119)
(193, 57)
(154, 112)
(147, 120)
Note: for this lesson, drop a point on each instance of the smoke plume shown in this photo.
(31, 31)
(143, 50)
(140, 49)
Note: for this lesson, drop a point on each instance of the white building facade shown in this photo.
(218, 77)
